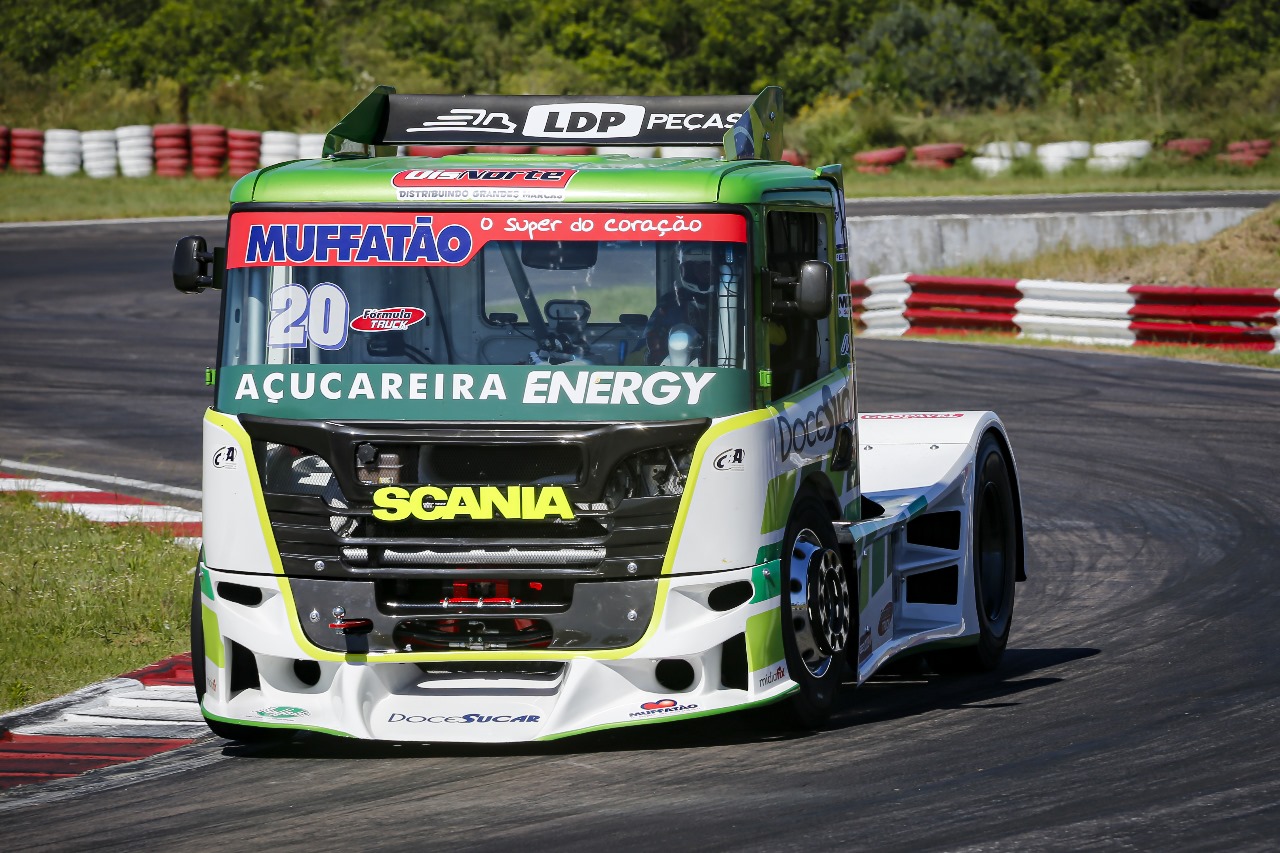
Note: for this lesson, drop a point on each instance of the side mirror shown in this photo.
(811, 296)
(842, 450)
(192, 265)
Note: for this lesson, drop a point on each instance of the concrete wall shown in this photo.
(893, 244)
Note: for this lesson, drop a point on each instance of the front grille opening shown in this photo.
(527, 670)
(674, 674)
(733, 662)
(936, 530)
(499, 464)
(940, 586)
(730, 595)
(307, 671)
(406, 595)
(237, 593)
(477, 633)
(244, 669)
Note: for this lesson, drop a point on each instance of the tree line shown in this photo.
(911, 54)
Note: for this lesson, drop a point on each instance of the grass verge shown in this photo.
(43, 198)
(1216, 355)
(83, 601)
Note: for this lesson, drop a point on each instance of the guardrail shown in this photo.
(1116, 314)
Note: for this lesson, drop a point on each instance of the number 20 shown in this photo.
(297, 315)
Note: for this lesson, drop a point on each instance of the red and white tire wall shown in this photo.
(1113, 314)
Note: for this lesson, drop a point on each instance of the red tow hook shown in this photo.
(352, 626)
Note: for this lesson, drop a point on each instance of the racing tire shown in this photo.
(230, 731)
(817, 615)
(995, 564)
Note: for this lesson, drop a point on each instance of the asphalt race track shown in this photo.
(1137, 708)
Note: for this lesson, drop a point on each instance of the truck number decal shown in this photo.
(298, 317)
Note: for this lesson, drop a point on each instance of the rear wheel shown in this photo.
(817, 613)
(995, 564)
(230, 731)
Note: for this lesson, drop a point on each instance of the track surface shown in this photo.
(1137, 707)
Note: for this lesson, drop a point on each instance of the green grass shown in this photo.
(81, 601)
(43, 198)
(1217, 355)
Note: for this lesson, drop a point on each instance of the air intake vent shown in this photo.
(483, 464)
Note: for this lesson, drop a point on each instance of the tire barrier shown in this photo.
(98, 152)
(26, 153)
(173, 150)
(1113, 314)
(4, 147)
(278, 146)
(208, 150)
(244, 149)
(880, 160)
(1189, 149)
(135, 150)
(61, 152)
(310, 146)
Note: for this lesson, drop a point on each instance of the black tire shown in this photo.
(230, 731)
(995, 563)
(817, 614)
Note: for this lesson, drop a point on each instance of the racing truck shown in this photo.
(544, 438)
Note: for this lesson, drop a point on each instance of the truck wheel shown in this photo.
(995, 564)
(230, 731)
(816, 613)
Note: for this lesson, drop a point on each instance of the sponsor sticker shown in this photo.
(460, 719)
(772, 676)
(494, 184)
(387, 319)
(485, 503)
(807, 430)
(730, 460)
(661, 706)
(463, 118)
(844, 303)
(226, 457)
(845, 346)
(886, 619)
(283, 712)
(864, 646)
(908, 416)
(584, 121)
(444, 238)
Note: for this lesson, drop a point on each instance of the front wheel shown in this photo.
(817, 612)
(995, 563)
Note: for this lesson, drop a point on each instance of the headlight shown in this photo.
(293, 471)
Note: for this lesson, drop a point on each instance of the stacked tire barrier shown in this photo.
(244, 149)
(98, 149)
(26, 150)
(278, 146)
(173, 150)
(61, 152)
(208, 150)
(4, 146)
(310, 146)
(1113, 314)
(135, 150)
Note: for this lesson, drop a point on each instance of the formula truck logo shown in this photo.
(388, 319)
(482, 184)
(486, 503)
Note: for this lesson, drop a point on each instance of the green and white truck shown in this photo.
(512, 446)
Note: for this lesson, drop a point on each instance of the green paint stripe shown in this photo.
(212, 636)
(710, 712)
(257, 725)
(766, 587)
(764, 639)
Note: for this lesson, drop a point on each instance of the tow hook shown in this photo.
(352, 626)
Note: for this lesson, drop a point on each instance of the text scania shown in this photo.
(364, 243)
(806, 430)
(432, 503)
(541, 387)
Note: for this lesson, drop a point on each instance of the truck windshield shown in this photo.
(461, 288)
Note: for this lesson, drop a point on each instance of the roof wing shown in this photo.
(749, 129)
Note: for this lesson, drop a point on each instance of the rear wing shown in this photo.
(748, 128)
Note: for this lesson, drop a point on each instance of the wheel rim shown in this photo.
(819, 602)
(993, 552)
